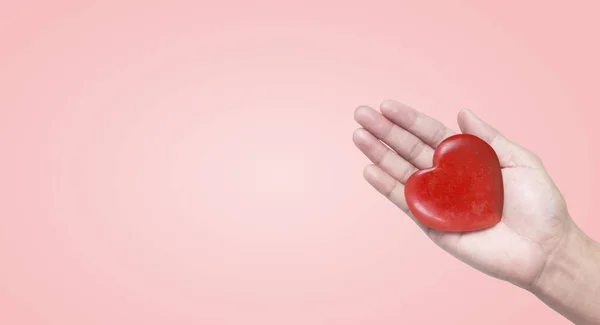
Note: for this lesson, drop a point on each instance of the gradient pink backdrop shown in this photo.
(191, 162)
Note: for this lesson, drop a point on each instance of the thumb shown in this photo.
(509, 153)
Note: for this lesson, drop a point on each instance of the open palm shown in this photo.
(401, 140)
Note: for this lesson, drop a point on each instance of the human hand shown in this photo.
(535, 218)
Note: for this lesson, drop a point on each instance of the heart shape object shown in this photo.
(463, 191)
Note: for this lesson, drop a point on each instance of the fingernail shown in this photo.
(469, 112)
(388, 103)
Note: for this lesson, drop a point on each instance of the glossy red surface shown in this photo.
(463, 191)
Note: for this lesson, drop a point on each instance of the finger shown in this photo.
(428, 129)
(390, 188)
(509, 153)
(382, 156)
(403, 142)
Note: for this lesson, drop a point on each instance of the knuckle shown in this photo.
(391, 191)
(415, 150)
(438, 135)
(535, 158)
(407, 173)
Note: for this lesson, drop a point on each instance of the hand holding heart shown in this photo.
(463, 191)
(481, 197)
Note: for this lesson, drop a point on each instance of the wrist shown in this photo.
(569, 282)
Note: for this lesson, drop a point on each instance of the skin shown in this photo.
(536, 246)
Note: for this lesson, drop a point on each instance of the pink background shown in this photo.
(191, 162)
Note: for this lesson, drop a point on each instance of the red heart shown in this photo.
(463, 191)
